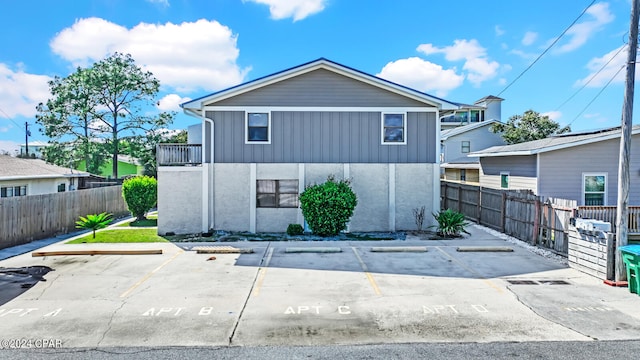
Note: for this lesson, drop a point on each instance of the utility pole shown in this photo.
(625, 145)
(27, 133)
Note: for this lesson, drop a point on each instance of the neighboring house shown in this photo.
(581, 166)
(22, 177)
(35, 148)
(262, 142)
(457, 143)
(485, 109)
(127, 166)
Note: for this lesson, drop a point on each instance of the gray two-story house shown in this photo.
(259, 144)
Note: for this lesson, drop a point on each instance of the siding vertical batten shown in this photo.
(252, 197)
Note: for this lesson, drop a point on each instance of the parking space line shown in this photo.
(461, 264)
(146, 277)
(372, 281)
(263, 273)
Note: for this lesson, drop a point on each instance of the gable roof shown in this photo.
(445, 134)
(197, 104)
(13, 168)
(553, 143)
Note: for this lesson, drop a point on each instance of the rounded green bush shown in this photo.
(328, 207)
(295, 229)
(141, 195)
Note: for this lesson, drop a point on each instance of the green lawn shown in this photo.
(121, 236)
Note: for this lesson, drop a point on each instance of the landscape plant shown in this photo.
(295, 229)
(418, 216)
(141, 195)
(94, 222)
(328, 207)
(450, 223)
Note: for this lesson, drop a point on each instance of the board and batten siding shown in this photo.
(561, 171)
(521, 169)
(323, 137)
(320, 88)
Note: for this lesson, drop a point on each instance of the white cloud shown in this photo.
(478, 66)
(553, 115)
(296, 9)
(9, 146)
(20, 92)
(171, 102)
(529, 38)
(579, 33)
(422, 75)
(499, 31)
(608, 72)
(523, 54)
(185, 57)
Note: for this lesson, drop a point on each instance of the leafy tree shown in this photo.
(141, 194)
(94, 222)
(100, 105)
(67, 118)
(123, 89)
(328, 207)
(528, 126)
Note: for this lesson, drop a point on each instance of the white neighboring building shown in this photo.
(21, 177)
(35, 148)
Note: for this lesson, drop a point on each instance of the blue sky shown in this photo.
(461, 50)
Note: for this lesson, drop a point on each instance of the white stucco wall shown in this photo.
(383, 205)
(414, 189)
(179, 200)
(231, 197)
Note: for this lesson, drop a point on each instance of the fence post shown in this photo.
(536, 221)
(503, 212)
(611, 257)
(459, 198)
(479, 205)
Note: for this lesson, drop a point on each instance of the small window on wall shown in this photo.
(62, 187)
(466, 146)
(394, 128)
(463, 175)
(258, 128)
(11, 191)
(504, 180)
(277, 193)
(594, 189)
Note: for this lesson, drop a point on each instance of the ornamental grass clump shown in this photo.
(328, 207)
(450, 223)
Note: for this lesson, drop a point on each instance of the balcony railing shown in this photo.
(179, 154)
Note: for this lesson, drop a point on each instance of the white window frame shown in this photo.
(404, 128)
(606, 184)
(246, 126)
(508, 179)
(462, 147)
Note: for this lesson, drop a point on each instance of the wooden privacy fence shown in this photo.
(521, 214)
(609, 214)
(27, 218)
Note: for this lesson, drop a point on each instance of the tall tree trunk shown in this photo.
(115, 145)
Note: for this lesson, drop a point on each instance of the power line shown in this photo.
(597, 95)
(593, 77)
(547, 49)
(10, 119)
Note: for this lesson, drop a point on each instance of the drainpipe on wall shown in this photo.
(207, 217)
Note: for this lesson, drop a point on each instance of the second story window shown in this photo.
(394, 128)
(258, 128)
(466, 147)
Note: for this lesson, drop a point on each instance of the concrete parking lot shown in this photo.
(301, 293)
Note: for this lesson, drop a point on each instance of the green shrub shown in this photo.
(450, 223)
(328, 207)
(141, 195)
(295, 229)
(94, 222)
